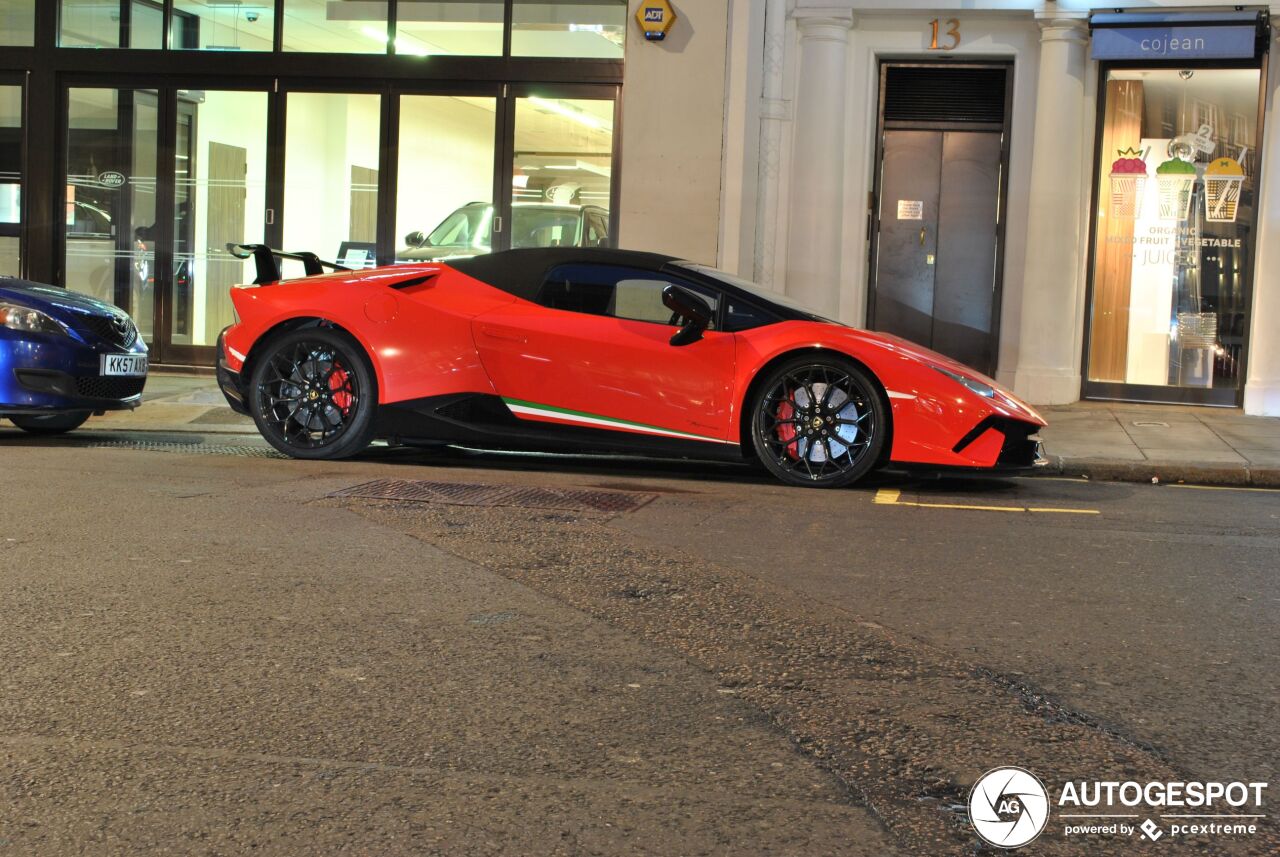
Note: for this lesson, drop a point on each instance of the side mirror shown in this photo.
(415, 239)
(690, 309)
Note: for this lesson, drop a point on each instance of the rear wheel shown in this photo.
(819, 422)
(313, 394)
(50, 423)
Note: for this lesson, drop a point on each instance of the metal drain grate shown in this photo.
(194, 448)
(463, 494)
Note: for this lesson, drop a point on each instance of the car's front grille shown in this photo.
(93, 387)
(116, 329)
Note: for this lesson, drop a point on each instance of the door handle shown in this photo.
(501, 333)
(921, 236)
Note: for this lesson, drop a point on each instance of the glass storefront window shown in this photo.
(331, 176)
(17, 22)
(562, 172)
(206, 26)
(445, 176)
(219, 198)
(1174, 236)
(329, 27)
(585, 28)
(111, 24)
(427, 27)
(10, 179)
(112, 137)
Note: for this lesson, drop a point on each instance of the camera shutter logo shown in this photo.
(1008, 807)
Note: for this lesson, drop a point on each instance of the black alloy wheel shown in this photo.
(818, 421)
(313, 394)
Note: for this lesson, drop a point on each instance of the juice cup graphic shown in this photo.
(1175, 178)
(1128, 184)
(1223, 181)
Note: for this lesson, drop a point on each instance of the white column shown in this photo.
(1048, 367)
(817, 157)
(774, 112)
(1262, 387)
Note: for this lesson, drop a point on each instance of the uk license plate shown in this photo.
(124, 364)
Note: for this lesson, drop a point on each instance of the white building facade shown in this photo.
(1080, 213)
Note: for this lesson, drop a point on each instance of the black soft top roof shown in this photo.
(521, 272)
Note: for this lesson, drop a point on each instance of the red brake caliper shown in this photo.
(338, 382)
(787, 430)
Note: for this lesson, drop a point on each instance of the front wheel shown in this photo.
(313, 394)
(50, 423)
(818, 421)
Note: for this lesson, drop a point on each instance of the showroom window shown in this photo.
(319, 26)
(111, 24)
(109, 233)
(208, 25)
(10, 179)
(331, 179)
(563, 165)
(585, 29)
(445, 151)
(17, 22)
(1174, 234)
(460, 29)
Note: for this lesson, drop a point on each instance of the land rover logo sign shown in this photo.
(655, 17)
(111, 179)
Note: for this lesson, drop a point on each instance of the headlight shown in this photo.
(984, 390)
(17, 317)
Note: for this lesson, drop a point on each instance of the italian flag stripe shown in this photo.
(565, 415)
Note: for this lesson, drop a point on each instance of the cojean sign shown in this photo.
(1174, 43)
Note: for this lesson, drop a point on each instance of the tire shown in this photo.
(819, 421)
(50, 423)
(313, 393)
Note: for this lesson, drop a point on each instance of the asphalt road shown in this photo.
(210, 655)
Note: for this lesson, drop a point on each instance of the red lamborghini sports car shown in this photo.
(597, 350)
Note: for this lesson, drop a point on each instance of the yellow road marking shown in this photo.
(892, 497)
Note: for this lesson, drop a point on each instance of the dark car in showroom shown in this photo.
(65, 357)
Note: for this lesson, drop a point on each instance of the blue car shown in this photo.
(64, 357)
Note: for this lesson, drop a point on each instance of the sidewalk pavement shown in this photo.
(1171, 443)
(1098, 440)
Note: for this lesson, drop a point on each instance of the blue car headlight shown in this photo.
(984, 390)
(18, 317)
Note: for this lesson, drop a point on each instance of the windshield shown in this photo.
(545, 227)
(458, 228)
(754, 289)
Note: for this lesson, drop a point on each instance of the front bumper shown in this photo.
(1019, 443)
(48, 374)
(229, 380)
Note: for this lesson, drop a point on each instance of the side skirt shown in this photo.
(483, 420)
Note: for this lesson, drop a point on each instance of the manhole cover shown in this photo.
(463, 494)
(194, 448)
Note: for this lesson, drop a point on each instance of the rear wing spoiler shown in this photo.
(267, 261)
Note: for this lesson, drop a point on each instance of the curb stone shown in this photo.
(1230, 475)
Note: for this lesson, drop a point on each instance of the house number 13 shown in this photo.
(952, 32)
